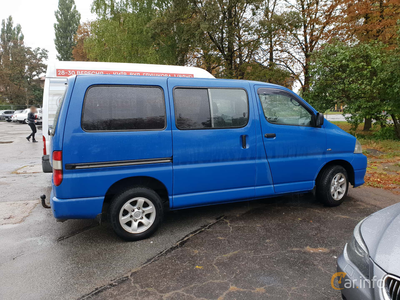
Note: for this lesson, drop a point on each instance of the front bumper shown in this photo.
(361, 288)
(80, 208)
(359, 177)
(359, 164)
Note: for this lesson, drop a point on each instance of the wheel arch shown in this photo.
(135, 181)
(339, 162)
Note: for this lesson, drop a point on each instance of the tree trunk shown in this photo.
(396, 122)
(307, 77)
(271, 52)
(367, 124)
(230, 35)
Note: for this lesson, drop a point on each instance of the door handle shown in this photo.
(270, 135)
(244, 142)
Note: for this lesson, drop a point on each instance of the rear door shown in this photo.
(214, 145)
(295, 149)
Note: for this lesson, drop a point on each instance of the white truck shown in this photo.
(56, 80)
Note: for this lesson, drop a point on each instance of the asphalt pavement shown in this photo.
(277, 248)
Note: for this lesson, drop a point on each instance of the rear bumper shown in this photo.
(80, 208)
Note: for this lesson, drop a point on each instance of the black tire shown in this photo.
(324, 185)
(127, 197)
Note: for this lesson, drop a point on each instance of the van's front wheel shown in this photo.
(136, 213)
(332, 186)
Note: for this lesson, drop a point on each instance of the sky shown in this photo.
(37, 19)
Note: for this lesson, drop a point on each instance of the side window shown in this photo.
(210, 108)
(113, 108)
(283, 108)
(192, 109)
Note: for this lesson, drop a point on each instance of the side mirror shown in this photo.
(319, 120)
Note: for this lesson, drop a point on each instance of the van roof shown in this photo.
(69, 68)
(253, 82)
(267, 84)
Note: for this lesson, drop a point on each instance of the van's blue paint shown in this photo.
(295, 154)
(359, 164)
(209, 166)
(88, 147)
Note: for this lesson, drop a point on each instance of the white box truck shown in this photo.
(56, 80)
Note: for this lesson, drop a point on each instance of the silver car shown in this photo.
(369, 267)
(6, 115)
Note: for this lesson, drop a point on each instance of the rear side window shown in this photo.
(113, 108)
(202, 108)
(57, 114)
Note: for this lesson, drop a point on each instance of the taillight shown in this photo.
(44, 146)
(57, 168)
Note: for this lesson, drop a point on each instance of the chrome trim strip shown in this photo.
(118, 163)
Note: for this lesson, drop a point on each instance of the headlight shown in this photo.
(358, 148)
(358, 251)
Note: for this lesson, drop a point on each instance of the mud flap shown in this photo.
(46, 167)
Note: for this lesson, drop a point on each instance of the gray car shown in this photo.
(370, 262)
(6, 115)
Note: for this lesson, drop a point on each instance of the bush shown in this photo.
(385, 133)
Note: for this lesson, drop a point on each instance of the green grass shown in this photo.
(368, 140)
(378, 175)
(333, 113)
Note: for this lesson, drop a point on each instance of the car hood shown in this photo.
(381, 233)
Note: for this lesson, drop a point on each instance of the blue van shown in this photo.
(136, 146)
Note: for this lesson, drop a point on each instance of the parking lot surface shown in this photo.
(277, 248)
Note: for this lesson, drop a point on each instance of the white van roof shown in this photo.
(69, 68)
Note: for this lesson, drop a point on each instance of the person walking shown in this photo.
(31, 122)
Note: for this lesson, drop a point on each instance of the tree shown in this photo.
(355, 77)
(68, 19)
(273, 27)
(175, 33)
(369, 20)
(390, 85)
(34, 68)
(313, 23)
(78, 52)
(230, 28)
(121, 33)
(20, 67)
(267, 73)
(12, 62)
(229, 38)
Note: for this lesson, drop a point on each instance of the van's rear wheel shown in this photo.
(136, 213)
(332, 186)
